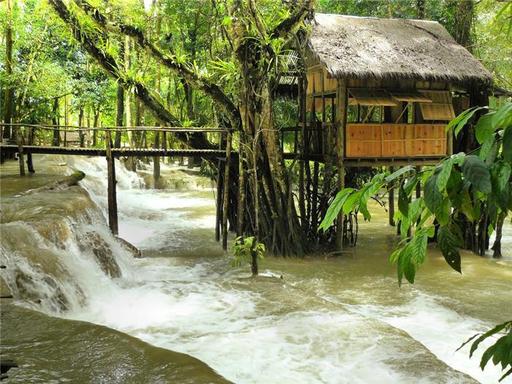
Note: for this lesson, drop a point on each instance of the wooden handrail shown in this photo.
(75, 128)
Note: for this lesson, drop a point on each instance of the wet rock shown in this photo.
(5, 291)
(30, 290)
(93, 242)
(129, 247)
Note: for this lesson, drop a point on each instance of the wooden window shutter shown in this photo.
(441, 107)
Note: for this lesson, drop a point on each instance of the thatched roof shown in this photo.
(367, 47)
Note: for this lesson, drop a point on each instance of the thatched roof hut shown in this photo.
(386, 49)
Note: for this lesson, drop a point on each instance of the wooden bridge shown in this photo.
(98, 141)
(116, 152)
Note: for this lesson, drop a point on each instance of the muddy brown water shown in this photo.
(182, 314)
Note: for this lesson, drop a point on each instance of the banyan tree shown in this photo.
(367, 92)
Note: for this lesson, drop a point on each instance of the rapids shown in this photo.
(312, 320)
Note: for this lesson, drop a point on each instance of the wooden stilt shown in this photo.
(391, 200)
(30, 163)
(111, 186)
(302, 146)
(225, 193)
(30, 139)
(341, 122)
(218, 213)
(21, 157)
(156, 162)
(241, 188)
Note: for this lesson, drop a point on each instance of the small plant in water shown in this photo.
(248, 250)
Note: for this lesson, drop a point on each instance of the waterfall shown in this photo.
(56, 246)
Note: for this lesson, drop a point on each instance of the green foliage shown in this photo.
(244, 248)
(499, 352)
(460, 186)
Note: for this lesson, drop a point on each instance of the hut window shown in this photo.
(411, 96)
(371, 97)
(441, 107)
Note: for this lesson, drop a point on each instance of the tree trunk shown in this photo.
(95, 124)
(464, 16)
(55, 121)
(9, 90)
(81, 132)
(499, 233)
(420, 9)
(119, 115)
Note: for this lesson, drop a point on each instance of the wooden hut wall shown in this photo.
(394, 138)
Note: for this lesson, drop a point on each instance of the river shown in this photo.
(86, 310)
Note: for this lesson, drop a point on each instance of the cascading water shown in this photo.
(327, 321)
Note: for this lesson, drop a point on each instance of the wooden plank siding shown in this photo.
(395, 140)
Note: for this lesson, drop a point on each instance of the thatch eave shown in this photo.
(352, 47)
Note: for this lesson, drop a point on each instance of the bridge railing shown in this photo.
(50, 135)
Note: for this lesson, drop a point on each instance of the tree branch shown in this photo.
(209, 88)
(287, 25)
(111, 67)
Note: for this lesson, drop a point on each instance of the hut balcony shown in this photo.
(406, 124)
(388, 140)
(388, 124)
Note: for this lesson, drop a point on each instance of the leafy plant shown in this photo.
(248, 250)
(499, 352)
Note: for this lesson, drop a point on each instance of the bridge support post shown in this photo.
(111, 186)
(218, 212)
(225, 193)
(21, 157)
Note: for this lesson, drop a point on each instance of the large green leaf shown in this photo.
(488, 150)
(444, 175)
(403, 201)
(433, 198)
(461, 120)
(444, 211)
(395, 175)
(449, 242)
(503, 117)
(411, 254)
(500, 178)
(335, 208)
(484, 128)
(477, 173)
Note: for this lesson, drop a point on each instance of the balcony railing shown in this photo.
(373, 140)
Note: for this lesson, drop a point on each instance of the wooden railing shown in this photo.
(374, 140)
(87, 137)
